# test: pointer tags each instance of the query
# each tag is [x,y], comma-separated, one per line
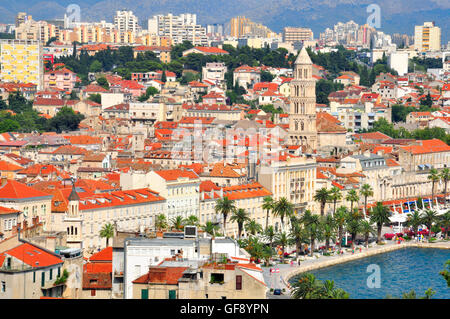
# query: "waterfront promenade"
[287,271]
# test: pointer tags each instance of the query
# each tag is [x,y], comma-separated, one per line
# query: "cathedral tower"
[302,114]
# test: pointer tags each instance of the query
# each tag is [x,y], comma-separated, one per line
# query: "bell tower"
[302,114]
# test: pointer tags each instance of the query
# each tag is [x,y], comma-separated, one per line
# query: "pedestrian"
[299,261]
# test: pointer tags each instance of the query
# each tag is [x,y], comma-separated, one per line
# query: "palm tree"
[225,206]
[268,206]
[445,223]
[313,226]
[445,176]
[161,222]
[331,292]
[322,196]
[282,239]
[353,225]
[380,216]
[297,235]
[177,223]
[352,197]
[367,229]
[210,228]
[414,220]
[429,217]
[339,218]
[335,195]
[307,287]
[434,177]
[283,208]
[253,227]
[240,216]
[191,220]
[366,191]
[269,234]
[328,228]
[107,232]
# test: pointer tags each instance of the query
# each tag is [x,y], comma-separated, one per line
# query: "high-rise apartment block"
[291,34]
[21,61]
[126,21]
[244,27]
[427,37]
[21,18]
[180,28]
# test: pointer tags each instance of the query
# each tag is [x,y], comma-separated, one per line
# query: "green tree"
[103,82]
[353,226]
[282,239]
[97,98]
[297,235]
[340,217]
[352,197]
[366,191]
[446,273]
[335,195]
[161,222]
[268,205]
[225,206]
[429,217]
[253,227]
[269,234]
[210,228]
[177,223]
[444,221]
[367,229]
[240,216]
[107,232]
[380,215]
[322,196]
[328,230]
[283,209]
[414,220]
[191,220]
[313,226]
[434,178]
[65,120]
[445,177]
[96,66]
[8,125]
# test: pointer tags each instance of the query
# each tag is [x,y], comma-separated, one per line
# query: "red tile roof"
[6,166]
[161,275]
[102,255]
[34,256]
[6,211]
[174,174]
[15,190]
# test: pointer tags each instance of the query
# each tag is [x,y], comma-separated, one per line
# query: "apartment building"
[63,79]
[21,61]
[179,28]
[427,37]
[291,34]
[126,21]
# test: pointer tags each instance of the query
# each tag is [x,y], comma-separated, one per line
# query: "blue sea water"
[400,271]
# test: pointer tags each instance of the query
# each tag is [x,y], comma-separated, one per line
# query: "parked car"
[277,291]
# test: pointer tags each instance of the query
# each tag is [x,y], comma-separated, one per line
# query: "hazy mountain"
[396,16]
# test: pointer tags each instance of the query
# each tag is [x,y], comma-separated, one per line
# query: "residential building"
[427,37]
[126,21]
[291,34]
[21,61]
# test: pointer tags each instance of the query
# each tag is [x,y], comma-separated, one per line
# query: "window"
[3,286]
[51,274]
[239,282]
[34,276]
[93,292]
[217,278]
[144,293]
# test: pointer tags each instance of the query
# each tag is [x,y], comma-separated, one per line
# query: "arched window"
[302,125]
[71,230]
[296,125]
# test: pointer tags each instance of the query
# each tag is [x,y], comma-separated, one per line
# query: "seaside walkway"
[287,271]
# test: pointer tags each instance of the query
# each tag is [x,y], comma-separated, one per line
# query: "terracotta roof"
[34,256]
[162,275]
[102,255]
[427,146]
[6,211]
[174,174]
[50,102]
[6,166]
[211,50]
[245,191]
[15,190]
